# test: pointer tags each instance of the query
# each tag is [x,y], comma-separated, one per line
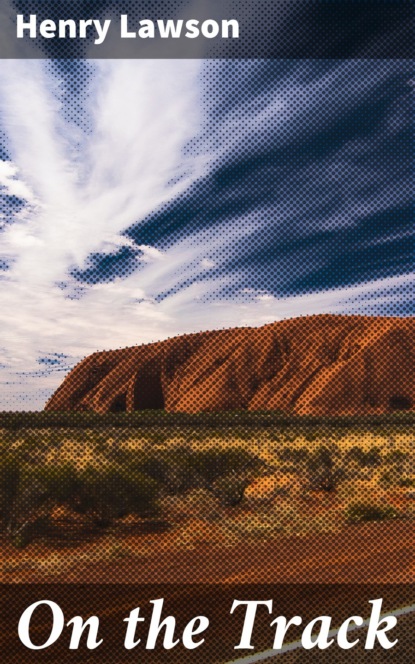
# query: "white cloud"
[150,253]
[207,264]
[130,163]
[12,185]
[141,115]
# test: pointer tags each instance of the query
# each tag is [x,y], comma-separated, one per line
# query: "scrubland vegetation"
[223,483]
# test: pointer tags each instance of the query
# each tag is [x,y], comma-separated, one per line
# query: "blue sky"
[142,199]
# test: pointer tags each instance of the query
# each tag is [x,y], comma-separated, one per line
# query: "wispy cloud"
[140,138]
[81,189]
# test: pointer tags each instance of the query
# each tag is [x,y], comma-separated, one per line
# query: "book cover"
[208,344]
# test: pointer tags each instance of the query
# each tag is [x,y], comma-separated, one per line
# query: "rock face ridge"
[314,365]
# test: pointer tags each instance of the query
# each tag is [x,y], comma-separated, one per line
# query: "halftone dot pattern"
[268,222]
[267,29]
[282,453]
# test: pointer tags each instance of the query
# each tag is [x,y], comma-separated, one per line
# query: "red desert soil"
[377,553]
[316,365]
[368,553]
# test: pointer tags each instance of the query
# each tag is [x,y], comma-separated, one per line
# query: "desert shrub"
[290,469]
[142,491]
[59,481]
[388,479]
[372,457]
[214,463]
[230,490]
[28,495]
[9,482]
[397,465]
[29,511]
[396,457]
[406,482]
[361,511]
[319,469]
[22,500]
[173,469]
[293,455]
[311,436]
[324,471]
[224,472]
[112,492]
[290,436]
[364,459]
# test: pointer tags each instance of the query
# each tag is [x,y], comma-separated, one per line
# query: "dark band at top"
[233,29]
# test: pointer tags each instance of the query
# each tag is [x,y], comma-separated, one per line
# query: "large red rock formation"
[318,365]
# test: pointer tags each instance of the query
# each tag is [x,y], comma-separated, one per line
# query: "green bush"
[182,469]
[60,481]
[361,511]
[142,492]
[31,502]
[37,490]
[171,468]
[113,492]
[212,464]
[123,482]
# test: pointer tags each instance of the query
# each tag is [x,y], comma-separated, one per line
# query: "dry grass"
[90,446]
[277,504]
